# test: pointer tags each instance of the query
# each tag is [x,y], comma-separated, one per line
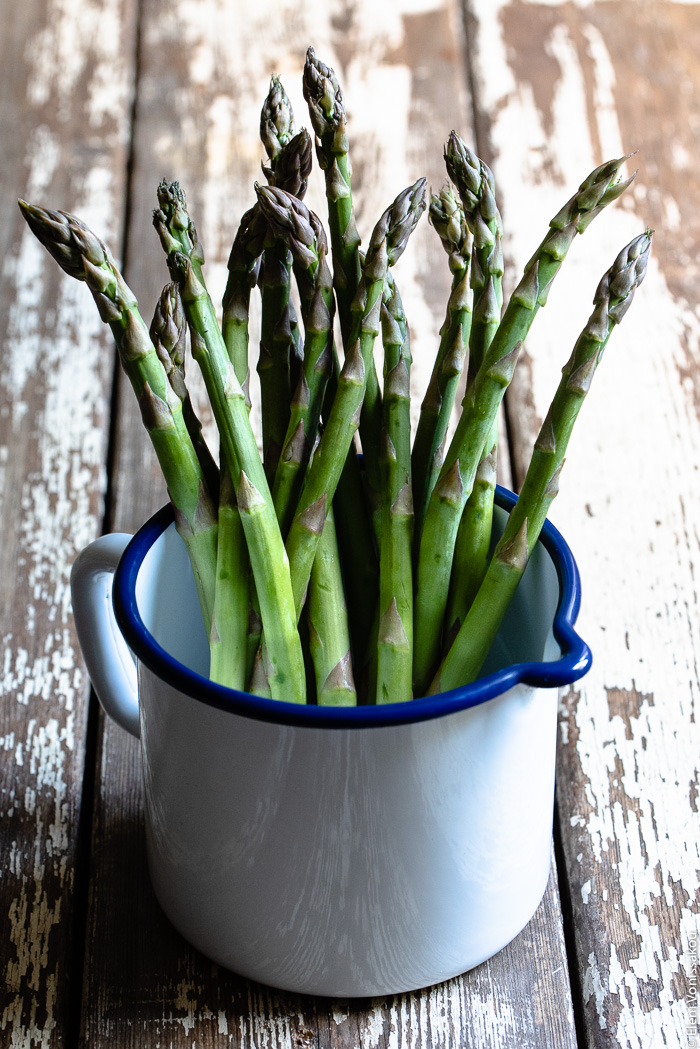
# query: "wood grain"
[201,85]
[65,79]
[563,87]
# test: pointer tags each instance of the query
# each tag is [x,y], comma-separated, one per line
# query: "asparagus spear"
[395,629]
[291,172]
[387,243]
[480,408]
[301,231]
[612,300]
[447,216]
[325,101]
[289,168]
[265,547]
[243,271]
[473,542]
[83,255]
[475,184]
[328,118]
[227,637]
[329,633]
[169,336]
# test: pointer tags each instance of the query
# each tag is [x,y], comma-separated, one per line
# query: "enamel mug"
[334,851]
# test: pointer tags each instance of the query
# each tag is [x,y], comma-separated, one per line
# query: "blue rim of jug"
[575,659]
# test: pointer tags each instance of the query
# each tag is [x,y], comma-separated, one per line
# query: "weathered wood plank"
[65,78]
[203,80]
[569,85]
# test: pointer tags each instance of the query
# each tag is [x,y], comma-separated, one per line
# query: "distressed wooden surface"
[204,132]
[567,85]
[556,88]
[63,127]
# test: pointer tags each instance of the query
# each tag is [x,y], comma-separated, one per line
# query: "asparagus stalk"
[300,230]
[83,255]
[480,408]
[232,583]
[473,542]
[475,184]
[395,630]
[329,633]
[291,171]
[447,216]
[227,636]
[265,547]
[243,271]
[612,300]
[328,118]
[169,336]
[388,241]
[327,112]
[289,168]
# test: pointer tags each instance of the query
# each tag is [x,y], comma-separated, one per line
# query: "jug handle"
[110,664]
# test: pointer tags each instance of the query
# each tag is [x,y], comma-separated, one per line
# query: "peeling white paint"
[52,448]
[593,988]
[635,546]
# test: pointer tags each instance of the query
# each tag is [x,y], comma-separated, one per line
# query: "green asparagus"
[387,243]
[265,547]
[447,216]
[479,411]
[83,255]
[300,230]
[612,300]
[395,627]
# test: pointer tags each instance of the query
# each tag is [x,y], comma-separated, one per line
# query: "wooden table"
[98,100]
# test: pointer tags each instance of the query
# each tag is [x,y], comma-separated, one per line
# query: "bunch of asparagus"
[322,577]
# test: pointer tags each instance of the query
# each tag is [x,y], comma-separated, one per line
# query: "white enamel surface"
[349,862]
[109,663]
[344,862]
